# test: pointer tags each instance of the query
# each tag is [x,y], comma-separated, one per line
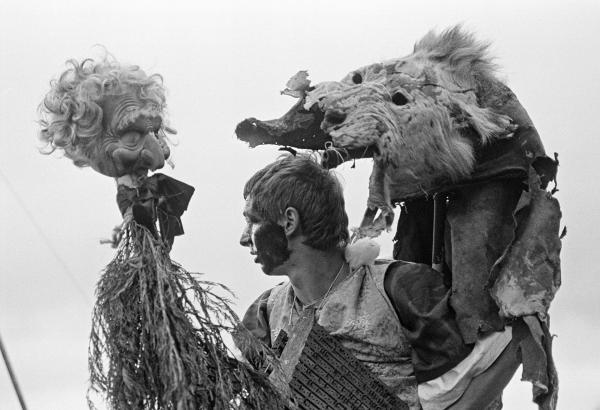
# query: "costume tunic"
[392,316]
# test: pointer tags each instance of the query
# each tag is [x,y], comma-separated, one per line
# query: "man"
[393,316]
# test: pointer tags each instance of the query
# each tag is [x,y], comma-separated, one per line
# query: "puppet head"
[108,116]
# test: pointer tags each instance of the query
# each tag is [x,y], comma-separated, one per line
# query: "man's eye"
[131,138]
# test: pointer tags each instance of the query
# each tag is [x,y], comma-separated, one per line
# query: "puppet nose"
[153,155]
[164,146]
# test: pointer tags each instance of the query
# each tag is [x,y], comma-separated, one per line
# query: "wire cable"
[45,239]
[12,376]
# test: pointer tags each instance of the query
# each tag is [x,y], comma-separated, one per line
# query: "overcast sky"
[226,62]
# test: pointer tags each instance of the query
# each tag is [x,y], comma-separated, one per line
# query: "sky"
[223,62]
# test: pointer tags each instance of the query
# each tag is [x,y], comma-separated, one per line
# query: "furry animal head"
[433,120]
[420,113]
[108,116]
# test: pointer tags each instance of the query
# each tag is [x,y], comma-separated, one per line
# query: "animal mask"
[430,120]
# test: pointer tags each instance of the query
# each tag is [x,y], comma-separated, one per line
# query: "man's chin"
[259,261]
[268,268]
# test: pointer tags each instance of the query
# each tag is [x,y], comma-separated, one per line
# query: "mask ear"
[485,121]
[291,222]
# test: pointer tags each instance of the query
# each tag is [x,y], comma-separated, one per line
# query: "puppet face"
[133,141]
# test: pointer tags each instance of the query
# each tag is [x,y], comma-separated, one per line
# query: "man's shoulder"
[412,278]
[396,267]
[256,318]
[420,299]
[264,297]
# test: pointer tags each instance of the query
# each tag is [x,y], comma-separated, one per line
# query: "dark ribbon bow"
[159,198]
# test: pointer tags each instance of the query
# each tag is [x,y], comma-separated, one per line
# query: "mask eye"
[399,99]
[357,78]
[131,138]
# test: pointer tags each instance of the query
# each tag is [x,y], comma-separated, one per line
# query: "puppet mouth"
[298,128]
[302,129]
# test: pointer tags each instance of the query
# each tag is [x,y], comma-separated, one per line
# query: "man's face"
[266,240]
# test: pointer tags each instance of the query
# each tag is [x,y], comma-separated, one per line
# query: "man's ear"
[291,222]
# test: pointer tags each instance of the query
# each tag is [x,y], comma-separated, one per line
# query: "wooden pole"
[439,222]
[12,376]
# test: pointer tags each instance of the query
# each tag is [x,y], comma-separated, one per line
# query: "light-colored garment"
[358,312]
[441,392]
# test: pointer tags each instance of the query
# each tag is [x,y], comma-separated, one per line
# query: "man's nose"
[246,239]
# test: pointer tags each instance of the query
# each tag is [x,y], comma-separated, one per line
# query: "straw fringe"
[156,337]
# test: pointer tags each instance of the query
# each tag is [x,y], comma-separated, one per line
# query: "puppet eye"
[399,99]
[357,78]
[131,138]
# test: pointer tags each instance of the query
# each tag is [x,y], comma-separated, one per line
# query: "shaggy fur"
[420,111]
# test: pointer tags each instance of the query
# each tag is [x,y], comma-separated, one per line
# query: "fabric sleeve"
[256,319]
[420,299]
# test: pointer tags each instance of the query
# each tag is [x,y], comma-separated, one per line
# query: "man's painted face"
[266,240]
[133,140]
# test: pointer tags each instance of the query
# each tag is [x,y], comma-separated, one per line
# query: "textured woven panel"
[325,375]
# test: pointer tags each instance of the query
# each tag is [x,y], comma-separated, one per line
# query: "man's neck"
[312,272]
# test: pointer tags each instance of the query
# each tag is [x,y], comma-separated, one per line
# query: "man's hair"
[315,192]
